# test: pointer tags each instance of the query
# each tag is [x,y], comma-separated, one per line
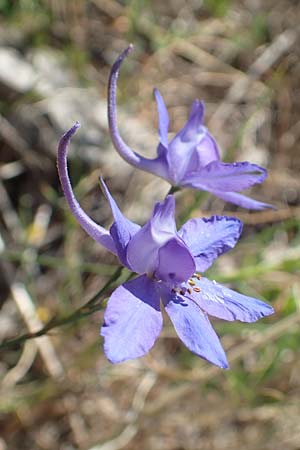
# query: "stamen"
[181,292]
[189,290]
[197,275]
[191,282]
[196,289]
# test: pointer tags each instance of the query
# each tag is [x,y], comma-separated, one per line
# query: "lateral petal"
[194,329]
[224,303]
[132,320]
[208,238]
[226,176]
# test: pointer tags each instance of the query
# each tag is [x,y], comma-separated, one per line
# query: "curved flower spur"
[192,157]
[167,262]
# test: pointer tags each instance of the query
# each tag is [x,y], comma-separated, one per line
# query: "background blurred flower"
[192,157]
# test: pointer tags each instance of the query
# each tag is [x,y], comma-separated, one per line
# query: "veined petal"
[132,320]
[122,229]
[142,250]
[208,238]
[224,303]
[175,263]
[97,232]
[205,152]
[157,166]
[163,118]
[241,200]
[194,329]
[183,145]
[227,177]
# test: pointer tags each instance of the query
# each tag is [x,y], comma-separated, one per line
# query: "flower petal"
[157,166]
[132,320]
[142,251]
[226,177]
[208,238]
[175,263]
[241,200]
[122,229]
[191,146]
[163,118]
[97,232]
[194,329]
[205,152]
[221,302]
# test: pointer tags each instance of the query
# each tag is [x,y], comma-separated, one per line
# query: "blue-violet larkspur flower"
[192,157]
[167,262]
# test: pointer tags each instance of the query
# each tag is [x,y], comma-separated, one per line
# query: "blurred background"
[241,57]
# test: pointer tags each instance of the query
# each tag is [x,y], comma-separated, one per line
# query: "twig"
[87,309]
[44,344]
[14,375]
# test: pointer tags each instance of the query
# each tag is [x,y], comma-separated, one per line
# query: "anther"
[189,290]
[191,283]
[196,289]
[197,275]
[181,292]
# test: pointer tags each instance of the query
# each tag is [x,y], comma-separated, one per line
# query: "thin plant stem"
[94,304]
[173,189]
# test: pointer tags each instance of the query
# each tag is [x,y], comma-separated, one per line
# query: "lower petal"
[194,329]
[132,320]
[221,302]
[241,200]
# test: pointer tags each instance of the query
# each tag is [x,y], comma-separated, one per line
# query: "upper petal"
[224,303]
[183,147]
[175,263]
[208,238]
[204,153]
[132,320]
[122,229]
[97,232]
[194,328]
[226,177]
[163,118]
[142,251]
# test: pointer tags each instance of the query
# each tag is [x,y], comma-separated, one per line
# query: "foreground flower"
[168,262]
[192,157]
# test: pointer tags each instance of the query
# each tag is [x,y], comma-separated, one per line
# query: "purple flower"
[167,262]
[192,157]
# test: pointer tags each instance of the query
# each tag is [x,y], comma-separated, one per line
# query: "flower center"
[191,286]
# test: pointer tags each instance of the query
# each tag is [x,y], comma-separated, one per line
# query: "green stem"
[173,189]
[88,308]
